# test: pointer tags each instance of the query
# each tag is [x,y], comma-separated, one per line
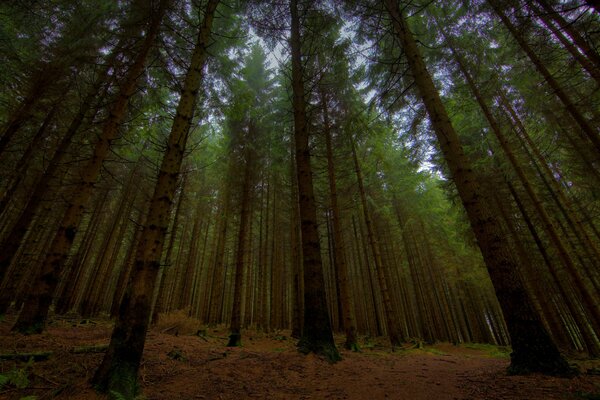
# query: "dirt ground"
[269,367]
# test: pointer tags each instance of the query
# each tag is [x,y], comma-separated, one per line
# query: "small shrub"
[176,354]
[16,377]
[178,323]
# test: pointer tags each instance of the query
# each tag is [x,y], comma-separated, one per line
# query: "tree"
[533,349]
[119,368]
[316,335]
[35,311]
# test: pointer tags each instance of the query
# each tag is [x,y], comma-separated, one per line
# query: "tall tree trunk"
[25,161]
[119,368]
[160,305]
[341,266]
[235,327]
[383,276]
[590,131]
[316,336]
[39,87]
[572,270]
[33,316]
[10,245]
[590,53]
[586,63]
[533,349]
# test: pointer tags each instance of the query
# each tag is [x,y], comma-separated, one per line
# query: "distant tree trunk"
[235,327]
[338,240]
[125,272]
[119,368]
[166,267]
[33,316]
[533,349]
[296,249]
[316,336]
[215,300]
[381,271]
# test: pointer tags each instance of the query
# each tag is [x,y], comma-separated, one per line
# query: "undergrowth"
[490,349]
[178,323]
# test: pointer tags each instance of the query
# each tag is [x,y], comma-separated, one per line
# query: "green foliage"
[16,377]
[176,354]
[490,349]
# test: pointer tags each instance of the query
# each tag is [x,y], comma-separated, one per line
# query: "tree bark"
[119,368]
[533,349]
[340,264]
[235,327]
[590,131]
[316,336]
[33,316]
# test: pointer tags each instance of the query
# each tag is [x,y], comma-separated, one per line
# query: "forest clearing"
[335,198]
[180,364]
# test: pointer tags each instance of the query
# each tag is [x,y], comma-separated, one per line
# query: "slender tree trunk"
[33,316]
[296,250]
[533,349]
[25,161]
[119,368]
[316,336]
[38,89]
[13,240]
[380,269]
[235,336]
[586,63]
[583,285]
[570,29]
[341,266]
[590,131]
[160,305]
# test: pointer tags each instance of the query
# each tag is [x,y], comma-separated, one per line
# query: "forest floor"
[180,365]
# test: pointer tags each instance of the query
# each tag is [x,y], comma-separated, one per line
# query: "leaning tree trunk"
[590,131]
[533,349]
[563,275]
[316,336]
[25,161]
[35,312]
[119,368]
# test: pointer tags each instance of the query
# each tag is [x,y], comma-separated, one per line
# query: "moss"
[123,384]
[490,349]
[352,346]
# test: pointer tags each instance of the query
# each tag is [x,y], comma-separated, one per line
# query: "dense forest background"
[357,167]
